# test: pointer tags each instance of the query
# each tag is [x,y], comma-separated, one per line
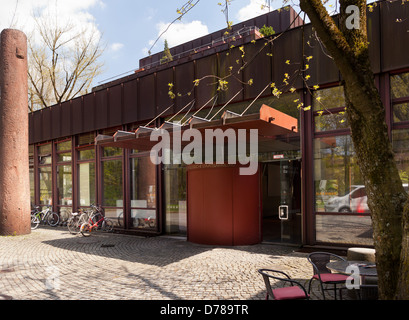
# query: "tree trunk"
[366,116]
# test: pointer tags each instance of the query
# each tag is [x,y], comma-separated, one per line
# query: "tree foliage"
[63,62]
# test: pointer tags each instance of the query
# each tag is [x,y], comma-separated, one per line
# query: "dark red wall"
[223,206]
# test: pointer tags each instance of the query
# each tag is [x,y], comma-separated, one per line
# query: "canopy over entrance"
[270,123]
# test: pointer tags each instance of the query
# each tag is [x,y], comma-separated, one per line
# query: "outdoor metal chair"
[295,291]
[322,274]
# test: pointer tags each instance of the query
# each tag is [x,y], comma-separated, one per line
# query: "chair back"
[280,276]
[319,261]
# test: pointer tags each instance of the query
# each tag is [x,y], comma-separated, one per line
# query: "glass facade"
[143,193]
[340,206]
[138,195]
[175,199]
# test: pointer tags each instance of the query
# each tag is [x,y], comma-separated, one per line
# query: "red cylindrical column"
[14,166]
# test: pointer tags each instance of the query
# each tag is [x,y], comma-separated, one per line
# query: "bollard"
[14,166]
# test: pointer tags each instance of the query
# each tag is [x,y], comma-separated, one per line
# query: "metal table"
[360,271]
[366,268]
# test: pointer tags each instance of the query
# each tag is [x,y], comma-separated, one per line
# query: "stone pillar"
[14,167]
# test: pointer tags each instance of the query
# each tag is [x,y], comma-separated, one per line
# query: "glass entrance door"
[281,192]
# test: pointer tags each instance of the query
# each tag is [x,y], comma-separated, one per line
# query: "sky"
[128,28]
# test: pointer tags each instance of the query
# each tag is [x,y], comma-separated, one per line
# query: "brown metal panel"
[146,105]
[322,68]
[206,39]
[56,119]
[258,68]
[31,128]
[115,106]
[374,32]
[131,101]
[260,21]
[101,109]
[163,78]
[273,20]
[287,47]
[77,115]
[184,77]
[395,35]
[206,67]
[230,62]
[66,119]
[46,127]
[88,118]
[37,125]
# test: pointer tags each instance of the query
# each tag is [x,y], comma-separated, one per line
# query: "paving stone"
[51,264]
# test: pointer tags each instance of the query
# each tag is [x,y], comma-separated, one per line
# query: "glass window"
[112,152]
[44,149]
[337,176]
[86,154]
[400,85]
[86,139]
[175,197]
[401,112]
[86,184]
[44,154]
[400,142]
[353,229]
[143,192]
[64,146]
[64,185]
[332,121]
[112,183]
[32,196]
[45,185]
[328,98]
[64,157]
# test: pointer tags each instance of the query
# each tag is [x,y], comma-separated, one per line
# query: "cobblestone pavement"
[52,264]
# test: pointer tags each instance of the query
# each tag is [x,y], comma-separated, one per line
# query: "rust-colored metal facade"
[138,98]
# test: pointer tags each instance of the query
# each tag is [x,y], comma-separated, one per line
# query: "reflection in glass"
[86,184]
[143,192]
[143,218]
[329,98]
[64,146]
[400,85]
[64,157]
[45,185]
[401,112]
[115,215]
[32,197]
[44,149]
[112,183]
[338,182]
[334,121]
[64,185]
[353,229]
[112,151]
[86,154]
[175,199]
[400,142]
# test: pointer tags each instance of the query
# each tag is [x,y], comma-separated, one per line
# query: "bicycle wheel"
[35,222]
[107,225]
[85,229]
[73,225]
[53,219]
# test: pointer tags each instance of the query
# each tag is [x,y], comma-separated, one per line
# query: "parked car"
[354,201]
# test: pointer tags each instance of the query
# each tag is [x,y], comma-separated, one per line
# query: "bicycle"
[77,219]
[46,216]
[96,222]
